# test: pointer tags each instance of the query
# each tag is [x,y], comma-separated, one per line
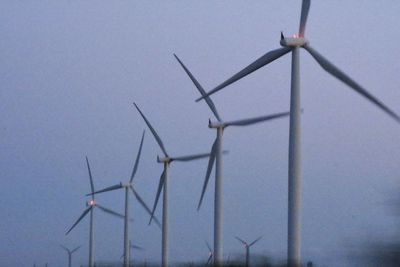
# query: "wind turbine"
[132,246]
[210,254]
[91,205]
[163,185]
[128,186]
[70,252]
[216,155]
[247,247]
[293,44]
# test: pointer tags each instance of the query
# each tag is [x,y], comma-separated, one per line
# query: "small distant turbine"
[247,247]
[92,204]
[216,155]
[163,185]
[210,254]
[132,246]
[293,44]
[128,186]
[70,252]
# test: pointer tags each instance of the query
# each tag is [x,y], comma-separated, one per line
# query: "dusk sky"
[70,71]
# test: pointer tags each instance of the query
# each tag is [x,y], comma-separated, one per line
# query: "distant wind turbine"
[128,186]
[91,205]
[132,246]
[210,254]
[163,185]
[293,44]
[216,155]
[70,252]
[247,247]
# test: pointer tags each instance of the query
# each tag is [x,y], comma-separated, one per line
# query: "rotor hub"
[91,203]
[163,159]
[294,41]
[216,124]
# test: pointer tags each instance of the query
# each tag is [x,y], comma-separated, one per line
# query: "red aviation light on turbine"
[91,202]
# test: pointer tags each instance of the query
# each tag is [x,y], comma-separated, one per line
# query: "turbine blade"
[65,248]
[333,70]
[144,205]
[109,211]
[262,61]
[246,122]
[75,249]
[160,186]
[255,241]
[111,188]
[158,139]
[208,100]
[209,168]
[208,246]
[240,240]
[136,247]
[79,219]
[90,176]
[209,259]
[191,157]
[137,159]
[305,7]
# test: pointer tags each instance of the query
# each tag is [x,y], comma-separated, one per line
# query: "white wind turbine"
[91,205]
[128,186]
[163,185]
[247,247]
[70,252]
[216,155]
[293,44]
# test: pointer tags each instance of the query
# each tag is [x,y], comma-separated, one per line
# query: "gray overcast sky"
[70,71]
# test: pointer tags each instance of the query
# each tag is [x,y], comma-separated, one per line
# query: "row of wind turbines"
[289,44]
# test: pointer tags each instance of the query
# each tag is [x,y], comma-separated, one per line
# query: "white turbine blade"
[262,61]
[246,122]
[255,241]
[111,188]
[241,240]
[332,69]
[209,168]
[158,139]
[90,176]
[75,249]
[305,7]
[191,157]
[109,211]
[144,205]
[160,186]
[208,100]
[79,219]
[137,159]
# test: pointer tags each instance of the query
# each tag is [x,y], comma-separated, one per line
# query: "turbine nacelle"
[91,203]
[294,41]
[216,124]
[127,185]
[163,159]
